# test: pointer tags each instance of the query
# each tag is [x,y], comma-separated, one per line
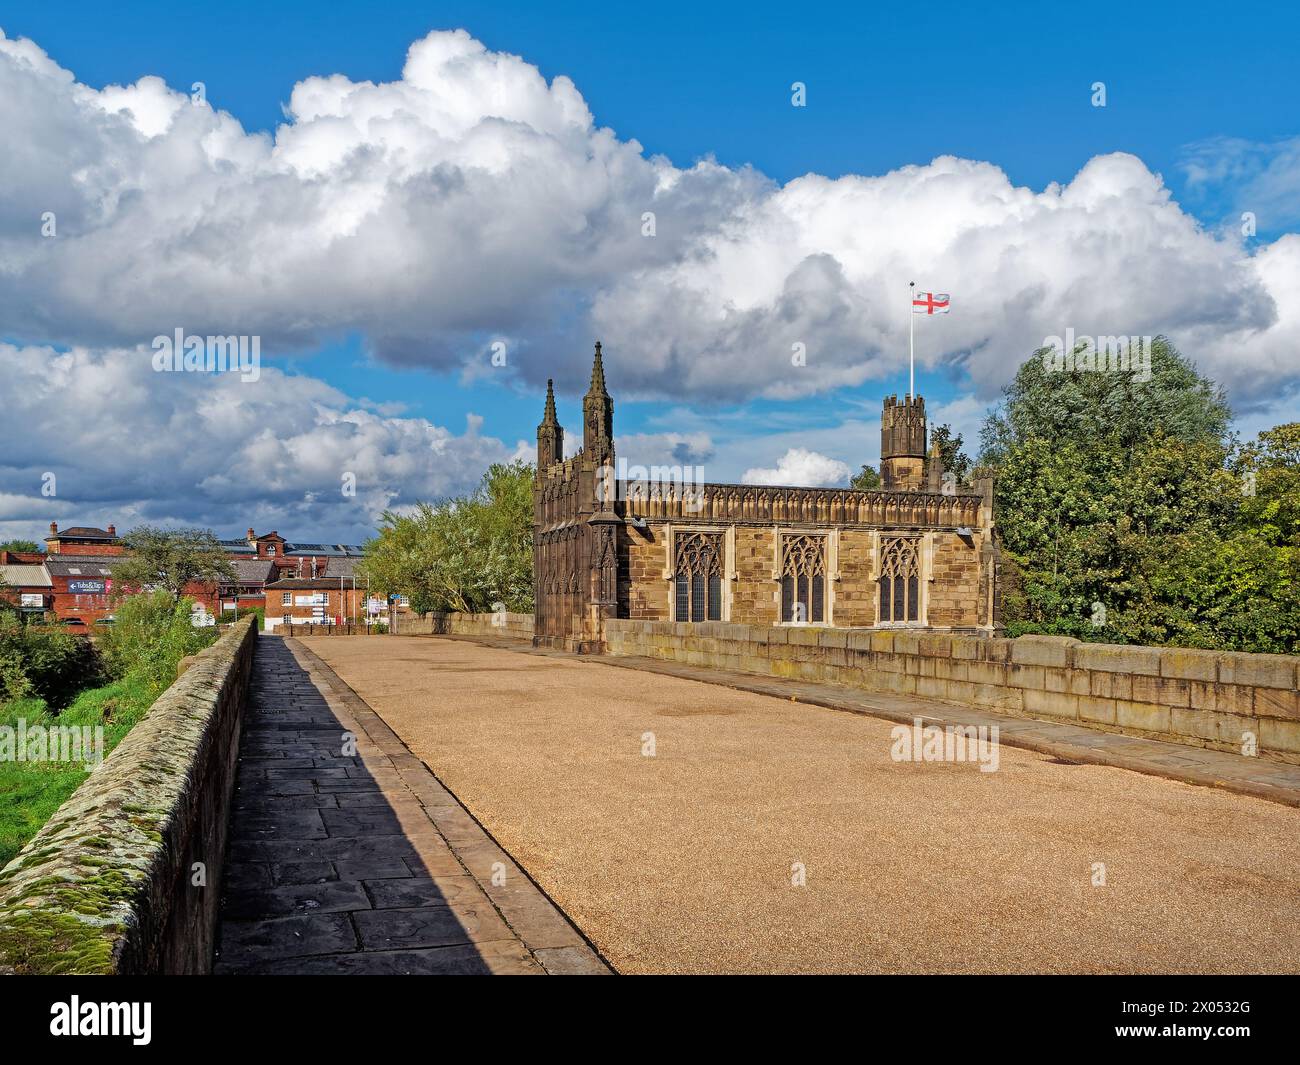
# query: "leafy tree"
[466,553]
[1128,515]
[865,481]
[955,460]
[19,545]
[1088,407]
[43,661]
[1268,470]
[172,560]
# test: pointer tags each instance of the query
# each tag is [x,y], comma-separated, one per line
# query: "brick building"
[25,584]
[83,541]
[75,580]
[315,601]
[919,552]
[82,587]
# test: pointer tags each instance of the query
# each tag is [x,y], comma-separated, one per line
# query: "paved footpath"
[348,855]
[694,827]
[1262,778]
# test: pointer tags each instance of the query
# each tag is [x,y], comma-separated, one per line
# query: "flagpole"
[911,339]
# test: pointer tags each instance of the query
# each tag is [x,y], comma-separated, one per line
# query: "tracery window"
[697,580]
[900,579]
[803,579]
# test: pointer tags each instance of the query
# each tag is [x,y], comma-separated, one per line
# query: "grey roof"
[25,576]
[341,567]
[237,547]
[90,566]
[252,570]
[329,566]
[318,583]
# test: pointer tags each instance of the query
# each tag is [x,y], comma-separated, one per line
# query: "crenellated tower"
[902,444]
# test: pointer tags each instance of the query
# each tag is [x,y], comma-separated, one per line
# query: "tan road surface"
[682,862]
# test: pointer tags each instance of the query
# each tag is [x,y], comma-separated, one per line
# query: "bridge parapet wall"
[1218,700]
[125,878]
[507,625]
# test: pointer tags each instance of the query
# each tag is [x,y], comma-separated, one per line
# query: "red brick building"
[74,577]
[83,540]
[82,588]
[315,601]
[24,583]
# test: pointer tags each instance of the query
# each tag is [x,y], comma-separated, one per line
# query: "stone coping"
[1221,700]
[508,625]
[125,877]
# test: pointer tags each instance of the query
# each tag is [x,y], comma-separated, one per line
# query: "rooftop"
[25,576]
[82,532]
[325,550]
[320,583]
[90,566]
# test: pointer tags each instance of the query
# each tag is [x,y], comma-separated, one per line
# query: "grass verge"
[30,792]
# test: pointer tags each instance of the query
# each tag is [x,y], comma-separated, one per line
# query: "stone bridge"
[457,801]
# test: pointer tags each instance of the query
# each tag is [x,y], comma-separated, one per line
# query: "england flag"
[930,303]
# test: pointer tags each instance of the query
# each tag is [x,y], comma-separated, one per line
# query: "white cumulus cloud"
[128,445]
[800,467]
[471,199]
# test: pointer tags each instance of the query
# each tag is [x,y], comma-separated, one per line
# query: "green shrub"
[151,635]
[44,661]
[243,612]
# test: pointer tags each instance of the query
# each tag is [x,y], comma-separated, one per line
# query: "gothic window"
[803,579]
[697,583]
[900,579]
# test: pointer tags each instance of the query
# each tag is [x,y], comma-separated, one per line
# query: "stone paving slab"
[1259,777]
[348,856]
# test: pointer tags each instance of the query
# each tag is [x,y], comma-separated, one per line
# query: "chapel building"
[920,552]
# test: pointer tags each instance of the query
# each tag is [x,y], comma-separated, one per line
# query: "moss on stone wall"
[78,897]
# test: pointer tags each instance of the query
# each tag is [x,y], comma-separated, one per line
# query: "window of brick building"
[900,579]
[697,583]
[803,579]
[286,599]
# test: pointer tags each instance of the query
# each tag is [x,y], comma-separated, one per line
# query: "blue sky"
[886,89]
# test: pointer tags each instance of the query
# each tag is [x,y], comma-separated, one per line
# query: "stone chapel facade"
[916,553]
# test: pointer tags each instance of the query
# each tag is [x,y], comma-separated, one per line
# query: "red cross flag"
[930,303]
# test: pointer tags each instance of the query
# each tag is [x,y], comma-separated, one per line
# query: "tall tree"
[467,553]
[1122,408]
[1108,486]
[955,460]
[865,481]
[171,559]
[19,545]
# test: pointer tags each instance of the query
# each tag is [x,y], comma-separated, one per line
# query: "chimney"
[54,528]
[250,535]
[112,530]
